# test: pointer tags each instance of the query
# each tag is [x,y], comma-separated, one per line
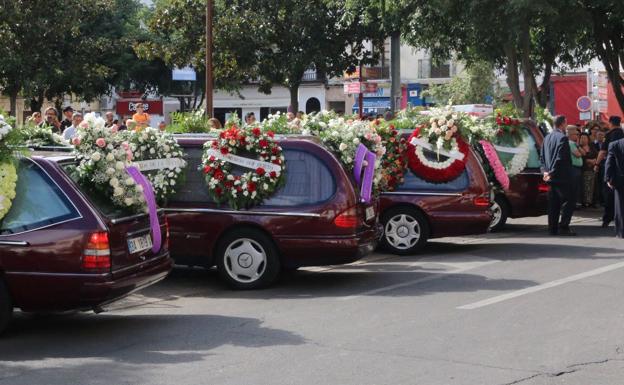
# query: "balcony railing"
[313,76]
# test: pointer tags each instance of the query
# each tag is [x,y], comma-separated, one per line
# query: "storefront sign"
[128,107]
[359,87]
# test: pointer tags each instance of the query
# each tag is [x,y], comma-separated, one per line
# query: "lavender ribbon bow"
[148,193]
[366,185]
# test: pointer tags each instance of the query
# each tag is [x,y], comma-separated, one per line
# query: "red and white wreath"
[440,170]
[250,188]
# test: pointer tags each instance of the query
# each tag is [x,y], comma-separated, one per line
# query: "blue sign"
[184,74]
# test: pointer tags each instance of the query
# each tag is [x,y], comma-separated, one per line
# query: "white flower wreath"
[519,161]
[420,153]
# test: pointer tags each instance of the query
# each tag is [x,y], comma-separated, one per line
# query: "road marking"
[431,277]
[543,286]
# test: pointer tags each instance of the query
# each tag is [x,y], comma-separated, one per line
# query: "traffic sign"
[584,104]
[585,116]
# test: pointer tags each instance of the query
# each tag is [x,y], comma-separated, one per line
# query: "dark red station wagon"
[60,250]
[418,210]
[317,218]
[528,194]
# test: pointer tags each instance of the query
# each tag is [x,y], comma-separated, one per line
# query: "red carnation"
[273,174]
[211,158]
[263,143]
[277,161]
[260,171]
[499,121]
[218,191]
[271,134]
[224,150]
[506,120]
[214,144]
[394,132]
[500,132]
[239,188]
[256,131]
[222,135]
[275,150]
[229,184]
[207,169]
[392,127]
[218,175]
[251,186]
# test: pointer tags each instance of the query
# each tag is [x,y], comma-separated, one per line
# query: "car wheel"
[406,230]
[247,259]
[500,213]
[6,306]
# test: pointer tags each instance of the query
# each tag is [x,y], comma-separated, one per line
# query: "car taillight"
[482,201]
[543,187]
[97,252]
[347,219]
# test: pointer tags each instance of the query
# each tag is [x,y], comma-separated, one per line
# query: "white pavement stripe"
[432,277]
[543,286]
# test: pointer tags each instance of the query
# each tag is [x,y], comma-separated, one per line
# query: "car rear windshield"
[534,159]
[308,180]
[414,182]
[39,202]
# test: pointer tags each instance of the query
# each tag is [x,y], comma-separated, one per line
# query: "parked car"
[528,193]
[316,218]
[61,249]
[419,210]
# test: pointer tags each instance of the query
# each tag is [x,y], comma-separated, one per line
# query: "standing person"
[576,154]
[109,119]
[36,119]
[615,133]
[52,120]
[589,176]
[556,166]
[68,113]
[141,117]
[162,126]
[614,177]
[70,131]
[250,118]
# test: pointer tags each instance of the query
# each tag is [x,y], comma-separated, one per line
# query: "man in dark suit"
[614,177]
[615,133]
[556,164]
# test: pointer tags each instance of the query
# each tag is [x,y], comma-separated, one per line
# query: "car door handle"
[14,243]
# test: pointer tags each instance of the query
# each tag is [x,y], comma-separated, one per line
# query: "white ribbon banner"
[159,164]
[450,154]
[510,150]
[245,162]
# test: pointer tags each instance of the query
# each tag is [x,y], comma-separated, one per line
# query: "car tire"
[406,230]
[6,306]
[247,259]
[500,213]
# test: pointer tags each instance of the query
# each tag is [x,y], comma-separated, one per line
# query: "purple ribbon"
[148,193]
[366,186]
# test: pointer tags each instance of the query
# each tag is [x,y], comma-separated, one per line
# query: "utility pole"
[209,79]
[395,71]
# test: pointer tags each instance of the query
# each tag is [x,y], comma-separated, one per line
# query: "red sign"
[360,87]
[128,107]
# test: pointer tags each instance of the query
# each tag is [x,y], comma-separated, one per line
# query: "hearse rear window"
[533,161]
[38,202]
[414,182]
[308,181]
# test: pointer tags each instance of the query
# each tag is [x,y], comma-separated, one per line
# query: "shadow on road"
[151,339]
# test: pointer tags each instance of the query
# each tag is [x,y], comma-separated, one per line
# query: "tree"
[472,87]
[264,41]
[524,38]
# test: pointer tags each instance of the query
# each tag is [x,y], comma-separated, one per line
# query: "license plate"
[139,244]
[370,213]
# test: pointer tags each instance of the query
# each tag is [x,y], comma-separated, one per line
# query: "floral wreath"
[494,164]
[103,156]
[393,161]
[159,157]
[436,171]
[8,172]
[520,159]
[39,136]
[251,187]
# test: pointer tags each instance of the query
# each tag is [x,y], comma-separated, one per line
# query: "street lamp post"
[209,79]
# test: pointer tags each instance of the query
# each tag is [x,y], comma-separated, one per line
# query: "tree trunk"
[527,72]
[294,97]
[13,105]
[513,78]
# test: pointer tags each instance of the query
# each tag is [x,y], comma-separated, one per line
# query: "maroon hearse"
[418,210]
[61,250]
[528,194]
[315,219]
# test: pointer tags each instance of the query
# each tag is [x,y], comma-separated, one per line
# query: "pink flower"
[83,124]
[128,155]
[101,143]
[76,141]
[368,136]
[114,128]
[125,145]
[495,163]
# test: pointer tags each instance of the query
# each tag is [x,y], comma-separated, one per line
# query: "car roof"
[199,139]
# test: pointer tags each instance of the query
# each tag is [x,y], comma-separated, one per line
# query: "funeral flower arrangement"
[393,162]
[159,157]
[40,136]
[278,124]
[103,157]
[510,137]
[8,171]
[254,150]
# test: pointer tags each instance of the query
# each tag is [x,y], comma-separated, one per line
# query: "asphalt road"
[506,308]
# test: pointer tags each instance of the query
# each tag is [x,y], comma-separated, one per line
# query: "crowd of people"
[67,127]
[583,168]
